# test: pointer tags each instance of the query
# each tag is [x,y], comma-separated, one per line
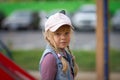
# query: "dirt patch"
[82,75]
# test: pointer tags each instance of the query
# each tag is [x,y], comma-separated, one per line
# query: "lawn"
[86,60]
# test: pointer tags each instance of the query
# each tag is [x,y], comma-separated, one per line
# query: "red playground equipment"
[11,71]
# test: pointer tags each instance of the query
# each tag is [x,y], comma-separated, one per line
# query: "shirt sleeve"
[48,67]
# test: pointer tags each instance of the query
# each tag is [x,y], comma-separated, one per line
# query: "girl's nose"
[63,36]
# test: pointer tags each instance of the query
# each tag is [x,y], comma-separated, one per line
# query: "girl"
[57,62]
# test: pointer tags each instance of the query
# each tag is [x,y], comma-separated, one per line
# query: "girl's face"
[62,36]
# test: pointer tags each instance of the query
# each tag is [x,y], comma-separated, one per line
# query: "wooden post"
[102,35]
[100,41]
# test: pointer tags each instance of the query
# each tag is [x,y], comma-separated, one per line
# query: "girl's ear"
[48,38]
[46,35]
[63,12]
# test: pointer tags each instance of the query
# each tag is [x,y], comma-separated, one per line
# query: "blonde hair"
[48,35]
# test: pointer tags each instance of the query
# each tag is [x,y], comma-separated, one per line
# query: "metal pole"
[106,41]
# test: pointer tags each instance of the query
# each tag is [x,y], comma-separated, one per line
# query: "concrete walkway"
[82,75]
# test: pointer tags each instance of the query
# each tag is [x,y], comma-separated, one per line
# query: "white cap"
[57,20]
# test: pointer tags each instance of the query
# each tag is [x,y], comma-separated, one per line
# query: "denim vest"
[60,74]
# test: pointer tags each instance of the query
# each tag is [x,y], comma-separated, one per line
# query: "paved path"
[35,39]
[82,75]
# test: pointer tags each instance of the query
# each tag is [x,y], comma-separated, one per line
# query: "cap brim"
[53,29]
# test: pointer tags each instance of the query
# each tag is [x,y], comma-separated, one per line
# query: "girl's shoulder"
[49,57]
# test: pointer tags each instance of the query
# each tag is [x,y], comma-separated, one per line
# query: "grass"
[114,60]
[85,60]
[29,59]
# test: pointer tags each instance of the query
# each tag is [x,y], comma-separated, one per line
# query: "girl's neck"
[62,50]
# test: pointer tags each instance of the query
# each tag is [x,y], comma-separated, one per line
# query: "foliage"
[70,6]
[39,6]
[40,0]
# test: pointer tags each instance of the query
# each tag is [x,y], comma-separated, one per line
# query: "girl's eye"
[57,34]
[67,33]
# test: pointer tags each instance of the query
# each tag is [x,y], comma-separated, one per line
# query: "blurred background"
[22,27]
